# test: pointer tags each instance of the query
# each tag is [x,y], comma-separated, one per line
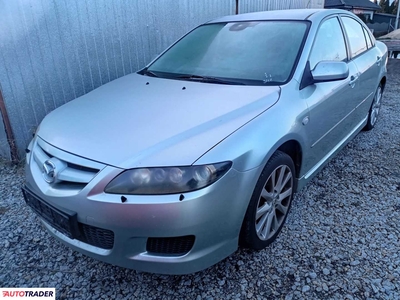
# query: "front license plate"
[65,222]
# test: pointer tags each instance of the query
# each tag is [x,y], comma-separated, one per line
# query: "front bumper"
[212,215]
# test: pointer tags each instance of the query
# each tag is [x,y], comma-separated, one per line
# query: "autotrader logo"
[27,293]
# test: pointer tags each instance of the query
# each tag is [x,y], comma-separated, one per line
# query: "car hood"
[144,121]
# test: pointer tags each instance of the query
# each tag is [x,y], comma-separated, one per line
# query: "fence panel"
[54,51]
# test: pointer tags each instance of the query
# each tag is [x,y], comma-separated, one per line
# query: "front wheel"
[270,203]
[375,108]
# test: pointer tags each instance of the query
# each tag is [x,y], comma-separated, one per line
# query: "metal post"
[237,7]
[397,16]
[9,133]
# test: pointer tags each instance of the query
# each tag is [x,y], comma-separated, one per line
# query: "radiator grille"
[73,172]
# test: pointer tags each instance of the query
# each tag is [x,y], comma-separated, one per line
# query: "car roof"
[288,14]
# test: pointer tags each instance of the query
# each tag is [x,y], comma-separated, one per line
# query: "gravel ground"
[340,241]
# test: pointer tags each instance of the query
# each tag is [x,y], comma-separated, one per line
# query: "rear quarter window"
[368,38]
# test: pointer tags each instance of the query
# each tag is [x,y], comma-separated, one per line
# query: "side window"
[356,36]
[368,38]
[329,43]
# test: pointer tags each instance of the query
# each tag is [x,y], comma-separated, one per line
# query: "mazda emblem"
[49,171]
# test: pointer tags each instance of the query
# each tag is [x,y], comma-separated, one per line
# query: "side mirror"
[326,71]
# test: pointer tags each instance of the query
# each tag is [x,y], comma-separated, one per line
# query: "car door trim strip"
[330,153]
[337,124]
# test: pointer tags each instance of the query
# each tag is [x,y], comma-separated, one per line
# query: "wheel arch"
[292,146]
[383,82]
[294,150]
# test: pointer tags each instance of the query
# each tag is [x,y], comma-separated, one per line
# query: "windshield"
[260,53]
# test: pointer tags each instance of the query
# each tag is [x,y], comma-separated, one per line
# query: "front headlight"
[166,180]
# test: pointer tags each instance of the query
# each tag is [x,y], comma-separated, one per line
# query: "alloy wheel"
[274,202]
[376,106]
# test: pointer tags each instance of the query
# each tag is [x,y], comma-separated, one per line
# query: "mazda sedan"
[170,169]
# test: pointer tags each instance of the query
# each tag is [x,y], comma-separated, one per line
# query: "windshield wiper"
[191,77]
[208,79]
[148,73]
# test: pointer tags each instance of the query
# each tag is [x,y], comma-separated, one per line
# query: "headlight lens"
[169,180]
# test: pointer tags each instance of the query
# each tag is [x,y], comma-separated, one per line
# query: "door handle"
[378,60]
[353,80]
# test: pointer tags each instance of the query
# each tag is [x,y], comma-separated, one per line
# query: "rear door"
[368,59]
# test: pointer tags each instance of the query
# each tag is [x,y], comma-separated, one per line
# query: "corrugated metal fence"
[54,51]
[260,5]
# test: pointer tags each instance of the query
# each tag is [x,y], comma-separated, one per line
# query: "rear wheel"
[375,108]
[270,203]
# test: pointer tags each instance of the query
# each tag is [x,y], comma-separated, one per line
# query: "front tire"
[375,108]
[270,203]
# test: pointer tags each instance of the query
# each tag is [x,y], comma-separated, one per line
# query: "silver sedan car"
[170,169]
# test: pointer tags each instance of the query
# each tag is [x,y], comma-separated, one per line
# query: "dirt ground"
[393,67]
